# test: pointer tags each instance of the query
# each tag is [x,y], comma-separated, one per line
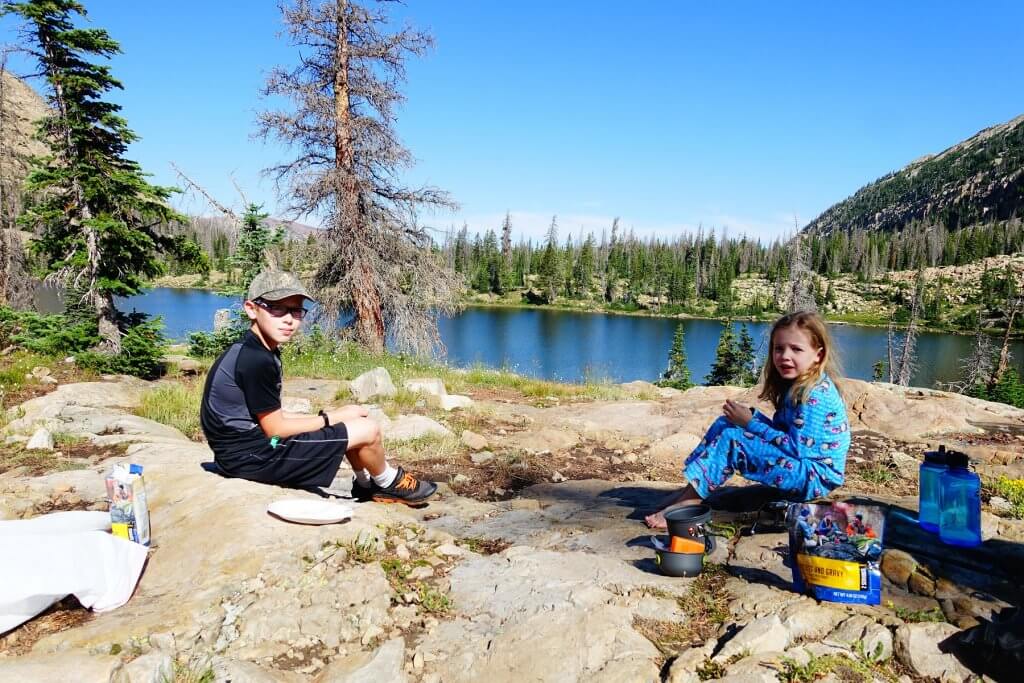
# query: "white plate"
[309,511]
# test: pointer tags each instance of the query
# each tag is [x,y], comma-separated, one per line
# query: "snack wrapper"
[129,513]
[834,551]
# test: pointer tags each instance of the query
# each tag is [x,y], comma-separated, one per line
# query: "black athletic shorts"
[302,461]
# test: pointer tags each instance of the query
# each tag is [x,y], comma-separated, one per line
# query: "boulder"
[373,384]
[758,637]
[406,427]
[473,440]
[919,647]
[675,448]
[482,458]
[41,440]
[429,386]
[189,366]
[898,565]
[450,402]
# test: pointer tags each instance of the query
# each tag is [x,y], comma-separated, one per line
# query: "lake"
[566,346]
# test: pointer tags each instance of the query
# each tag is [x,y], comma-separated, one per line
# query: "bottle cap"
[957,459]
[939,457]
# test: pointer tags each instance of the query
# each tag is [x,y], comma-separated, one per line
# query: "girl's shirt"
[816,431]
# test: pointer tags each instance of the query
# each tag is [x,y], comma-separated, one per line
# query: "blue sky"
[668,114]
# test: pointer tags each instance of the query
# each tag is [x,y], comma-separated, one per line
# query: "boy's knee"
[362,431]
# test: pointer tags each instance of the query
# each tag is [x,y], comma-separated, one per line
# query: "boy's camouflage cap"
[274,285]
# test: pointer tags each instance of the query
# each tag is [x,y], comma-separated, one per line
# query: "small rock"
[557,477]
[1000,506]
[370,634]
[402,551]
[454,401]
[372,384]
[761,635]
[460,479]
[898,565]
[449,550]
[421,573]
[40,371]
[482,458]
[42,440]
[70,360]
[498,491]
[921,584]
[630,457]
[189,366]
[615,460]
[49,380]
[417,661]
[473,440]
[918,648]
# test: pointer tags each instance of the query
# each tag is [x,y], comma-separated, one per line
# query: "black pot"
[688,522]
[679,564]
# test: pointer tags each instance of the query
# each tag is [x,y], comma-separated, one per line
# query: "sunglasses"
[279,311]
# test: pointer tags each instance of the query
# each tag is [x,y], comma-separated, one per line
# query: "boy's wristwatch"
[327,420]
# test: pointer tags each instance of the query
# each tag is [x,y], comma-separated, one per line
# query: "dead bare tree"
[907,363]
[800,297]
[977,368]
[1014,304]
[381,263]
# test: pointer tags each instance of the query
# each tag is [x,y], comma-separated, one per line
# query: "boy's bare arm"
[285,424]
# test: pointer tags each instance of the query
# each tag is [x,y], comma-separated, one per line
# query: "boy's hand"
[337,415]
[737,413]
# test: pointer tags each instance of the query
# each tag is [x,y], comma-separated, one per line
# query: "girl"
[802,450]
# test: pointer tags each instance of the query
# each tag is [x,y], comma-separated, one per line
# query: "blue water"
[568,346]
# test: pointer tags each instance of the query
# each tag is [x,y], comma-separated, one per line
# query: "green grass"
[1013,491]
[917,616]
[175,404]
[15,367]
[190,672]
[878,474]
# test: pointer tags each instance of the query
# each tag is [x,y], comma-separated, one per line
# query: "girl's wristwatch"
[327,420]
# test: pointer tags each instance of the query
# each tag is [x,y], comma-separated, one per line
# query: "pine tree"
[550,269]
[255,238]
[723,371]
[677,376]
[745,359]
[95,208]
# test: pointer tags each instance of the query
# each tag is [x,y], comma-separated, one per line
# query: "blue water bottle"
[928,489]
[959,503]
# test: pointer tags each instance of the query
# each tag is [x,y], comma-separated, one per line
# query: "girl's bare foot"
[656,520]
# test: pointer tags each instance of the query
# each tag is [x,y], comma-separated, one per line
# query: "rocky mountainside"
[20,108]
[978,180]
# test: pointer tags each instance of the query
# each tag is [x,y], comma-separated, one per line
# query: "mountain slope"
[978,180]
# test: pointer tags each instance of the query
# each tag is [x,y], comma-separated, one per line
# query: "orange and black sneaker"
[405,489]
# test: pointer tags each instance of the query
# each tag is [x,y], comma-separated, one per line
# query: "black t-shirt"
[244,382]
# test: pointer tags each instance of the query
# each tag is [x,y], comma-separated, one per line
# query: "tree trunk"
[1004,352]
[369,322]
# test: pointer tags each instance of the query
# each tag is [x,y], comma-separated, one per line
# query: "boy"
[252,438]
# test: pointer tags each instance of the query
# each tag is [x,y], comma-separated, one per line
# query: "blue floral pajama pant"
[727,449]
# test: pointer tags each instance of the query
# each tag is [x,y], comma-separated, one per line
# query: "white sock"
[362,478]
[387,477]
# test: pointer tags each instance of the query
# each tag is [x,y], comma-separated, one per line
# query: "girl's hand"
[737,413]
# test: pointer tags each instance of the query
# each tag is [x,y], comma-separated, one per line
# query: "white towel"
[46,560]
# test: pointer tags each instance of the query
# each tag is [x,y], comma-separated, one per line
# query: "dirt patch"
[69,455]
[511,471]
[64,373]
[66,614]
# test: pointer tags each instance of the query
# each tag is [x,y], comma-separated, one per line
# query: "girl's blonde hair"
[774,386]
